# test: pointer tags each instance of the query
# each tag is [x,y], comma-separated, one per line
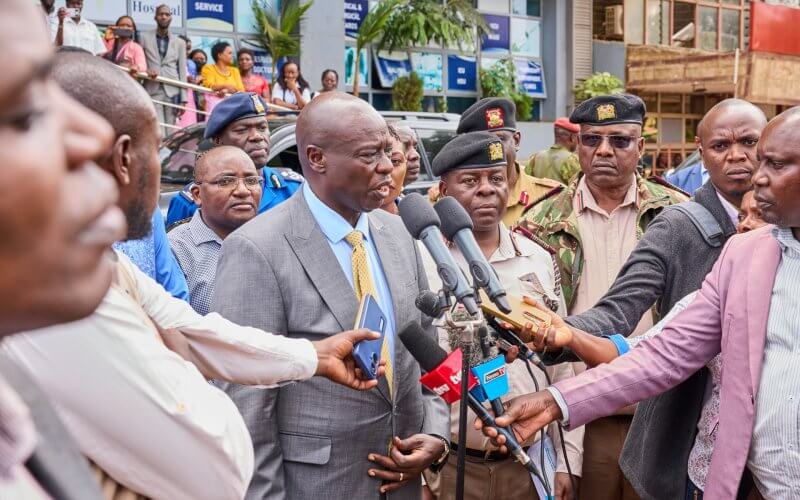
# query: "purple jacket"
[729,315]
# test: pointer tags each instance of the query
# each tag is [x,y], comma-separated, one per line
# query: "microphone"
[513,340]
[457,227]
[422,222]
[434,360]
[428,303]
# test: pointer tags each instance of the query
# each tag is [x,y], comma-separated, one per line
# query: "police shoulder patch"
[290,175]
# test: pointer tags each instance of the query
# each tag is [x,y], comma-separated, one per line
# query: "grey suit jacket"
[172,66]
[56,463]
[312,438]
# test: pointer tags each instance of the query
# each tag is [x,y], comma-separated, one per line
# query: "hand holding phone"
[367,353]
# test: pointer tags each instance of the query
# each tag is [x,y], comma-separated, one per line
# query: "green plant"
[407,93]
[419,22]
[277,32]
[500,81]
[370,30]
[598,84]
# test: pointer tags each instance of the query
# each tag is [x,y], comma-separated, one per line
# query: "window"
[729,40]
[683,28]
[714,25]
[432,142]
[657,22]
[708,28]
[526,8]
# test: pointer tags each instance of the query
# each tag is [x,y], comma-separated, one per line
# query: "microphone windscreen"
[417,214]
[421,346]
[452,216]
[428,303]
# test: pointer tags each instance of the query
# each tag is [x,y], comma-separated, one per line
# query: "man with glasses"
[594,224]
[227,190]
[241,120]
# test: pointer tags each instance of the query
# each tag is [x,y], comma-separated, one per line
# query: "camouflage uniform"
[556,163]
[524,192]
[552,219]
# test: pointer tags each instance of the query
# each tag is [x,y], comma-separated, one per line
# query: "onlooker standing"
[410,141]
[398,174]
[74,31]
[330,80]
[50,15]
[253,82]
[559,161]
[222,76]
[166,56]
[199,58]
[227,190]
[291,89]
[122,48]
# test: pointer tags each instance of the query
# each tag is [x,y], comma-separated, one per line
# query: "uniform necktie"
[362,283]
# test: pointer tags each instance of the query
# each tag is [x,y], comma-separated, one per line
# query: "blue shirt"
[153,256]
[279,186]
[335,229]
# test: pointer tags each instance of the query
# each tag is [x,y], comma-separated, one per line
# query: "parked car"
[179,151]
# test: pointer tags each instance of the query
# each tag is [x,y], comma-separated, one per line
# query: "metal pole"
[461,458]
[736,73]
[177,106]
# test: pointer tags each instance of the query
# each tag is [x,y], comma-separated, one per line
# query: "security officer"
[472,169]
[241,120]
[558,162]
[498,115]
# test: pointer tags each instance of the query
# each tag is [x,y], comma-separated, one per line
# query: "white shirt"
[287,95]
[83,34]
[142,413]
[730,209]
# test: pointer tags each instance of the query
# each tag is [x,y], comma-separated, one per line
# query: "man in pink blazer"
[748,309]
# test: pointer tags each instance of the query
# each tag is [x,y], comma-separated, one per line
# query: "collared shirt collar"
[333,225]
[79,23]
[508,248]
[786,240]
[729,207]
[201,233]
[585,198]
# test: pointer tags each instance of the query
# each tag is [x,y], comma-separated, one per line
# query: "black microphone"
[513,340]
[457,226]
[422,222]
[429,304]
[430,357]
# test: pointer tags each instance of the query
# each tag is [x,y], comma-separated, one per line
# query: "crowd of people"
[215,361]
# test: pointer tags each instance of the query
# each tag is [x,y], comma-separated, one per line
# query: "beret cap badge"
[495,118]
[605,112]
[495,151]
[257,104]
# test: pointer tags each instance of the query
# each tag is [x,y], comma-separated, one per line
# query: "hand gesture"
[563,486]
[152,73]
[556,336]
[406,461]
[291,85]
[529,413]
[336,361]
[62,14]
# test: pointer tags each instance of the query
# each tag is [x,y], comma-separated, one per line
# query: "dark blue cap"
[232,108]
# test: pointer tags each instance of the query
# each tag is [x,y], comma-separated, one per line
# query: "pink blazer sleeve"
[139,61]
[657,364]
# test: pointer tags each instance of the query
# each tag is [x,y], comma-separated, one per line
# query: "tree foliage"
[601,83]
[500,81]
[276,30]
[407,93]
[371,30]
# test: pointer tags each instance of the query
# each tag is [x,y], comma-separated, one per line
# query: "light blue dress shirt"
[335,229]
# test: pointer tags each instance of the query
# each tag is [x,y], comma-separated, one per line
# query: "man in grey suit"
[166,56]
[290,271]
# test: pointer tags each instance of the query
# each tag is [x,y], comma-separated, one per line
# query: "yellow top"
[212,76]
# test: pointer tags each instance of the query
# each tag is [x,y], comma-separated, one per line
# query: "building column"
[556,58]
[322,41]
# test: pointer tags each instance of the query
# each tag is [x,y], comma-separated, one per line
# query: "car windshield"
[432,142]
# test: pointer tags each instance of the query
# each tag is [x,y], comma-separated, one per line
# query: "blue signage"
[530,77]
[497,41]
[461,73]
[392,65]
[214,15]
[354,13]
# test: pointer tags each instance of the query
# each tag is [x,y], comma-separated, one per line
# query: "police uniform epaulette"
[178,223]
[289,174]
[524,232]
[186,192]
[556,190]
[662,181]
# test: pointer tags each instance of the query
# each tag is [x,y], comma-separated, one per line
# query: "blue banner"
[530,77]
[392,65]
[354,13]
[214,15]
[497,41]
[461,73]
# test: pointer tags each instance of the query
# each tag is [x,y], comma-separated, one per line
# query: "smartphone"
[122,32]
[367,353]
[521,313]
[73,12]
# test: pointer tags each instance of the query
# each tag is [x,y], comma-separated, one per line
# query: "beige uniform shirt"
[524,268]
[526,191]
[607,241]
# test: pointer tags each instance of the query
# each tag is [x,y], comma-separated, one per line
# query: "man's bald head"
[213,161]
[726,110]
[102,87]
[344,147]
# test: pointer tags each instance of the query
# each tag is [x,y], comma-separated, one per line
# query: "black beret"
[471,150]
[609,109]
[234,107]
[489,114]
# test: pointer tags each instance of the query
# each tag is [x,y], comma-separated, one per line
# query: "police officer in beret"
[241,120]
[498,116]
[473,169]
[594,224]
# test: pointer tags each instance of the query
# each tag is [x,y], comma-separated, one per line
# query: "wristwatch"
[437,465]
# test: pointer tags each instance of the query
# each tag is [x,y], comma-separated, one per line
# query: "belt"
[488,456]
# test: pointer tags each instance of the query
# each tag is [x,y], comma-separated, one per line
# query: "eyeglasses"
[616,141]
[230,182]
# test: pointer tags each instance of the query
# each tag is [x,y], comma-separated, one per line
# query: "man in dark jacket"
[670,261]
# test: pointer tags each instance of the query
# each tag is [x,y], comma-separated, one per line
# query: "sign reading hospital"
[214,15]
[143,12]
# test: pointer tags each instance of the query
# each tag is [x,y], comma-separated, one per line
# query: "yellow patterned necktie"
[362,283]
